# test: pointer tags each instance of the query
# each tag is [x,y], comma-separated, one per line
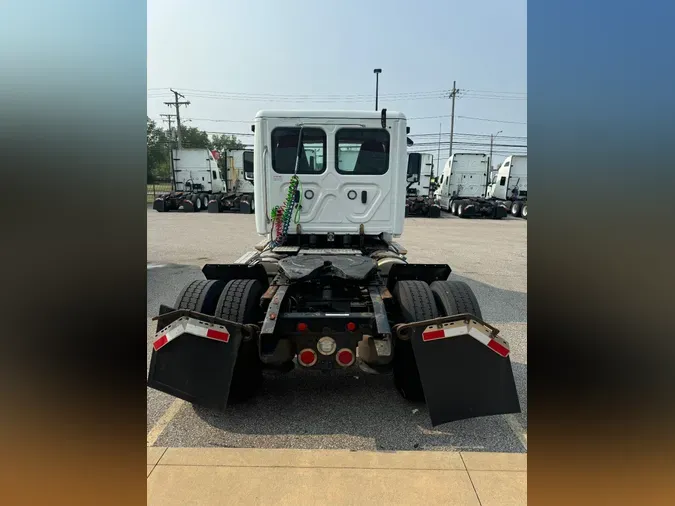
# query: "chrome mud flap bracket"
[194,354]
[464,367]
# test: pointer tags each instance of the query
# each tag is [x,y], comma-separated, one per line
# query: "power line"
[493,120]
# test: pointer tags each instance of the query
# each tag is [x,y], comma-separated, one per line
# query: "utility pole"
[177,105]
[452,115]
[168,119]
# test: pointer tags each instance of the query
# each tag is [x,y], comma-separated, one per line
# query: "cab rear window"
[285,150]
[362,151]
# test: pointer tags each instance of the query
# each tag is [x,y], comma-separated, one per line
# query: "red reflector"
[345,357]
[351,326]
[160,342]
[218,335]
[499,348]
[302,327]
[307,357]
[433,334]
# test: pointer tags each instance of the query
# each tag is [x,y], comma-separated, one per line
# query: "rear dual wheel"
[237,301]
[419,301]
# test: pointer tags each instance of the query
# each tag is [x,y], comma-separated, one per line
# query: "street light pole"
[377,84]
[489,171]
[492,138]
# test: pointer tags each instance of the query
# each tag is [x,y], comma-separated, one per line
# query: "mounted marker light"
[326,345]
[301,327]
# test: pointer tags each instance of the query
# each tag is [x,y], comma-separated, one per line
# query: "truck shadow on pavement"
[357,411]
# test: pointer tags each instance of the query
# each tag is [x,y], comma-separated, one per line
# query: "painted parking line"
[164,421]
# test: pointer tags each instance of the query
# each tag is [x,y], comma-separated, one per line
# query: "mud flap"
[214,206]
[194,355]
[464,367]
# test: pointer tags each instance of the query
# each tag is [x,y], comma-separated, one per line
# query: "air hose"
[282,215]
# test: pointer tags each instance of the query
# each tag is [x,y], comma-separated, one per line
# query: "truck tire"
[240,302]
[523,211]
[515,209]
[205,200]
[453,208]
[460,209]
[197,201]
[201,296]
[455,297]
[416,302]
[252,205]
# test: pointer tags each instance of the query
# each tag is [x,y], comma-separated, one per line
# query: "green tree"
[157,150]
[223,143]
[193,137]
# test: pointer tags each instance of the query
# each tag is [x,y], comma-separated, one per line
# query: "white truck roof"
[272,113]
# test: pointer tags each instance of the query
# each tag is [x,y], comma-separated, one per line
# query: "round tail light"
[345,357]
[307,357]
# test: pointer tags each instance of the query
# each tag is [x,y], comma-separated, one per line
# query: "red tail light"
[345,357]
[307,357]
[351,326]
[302,327]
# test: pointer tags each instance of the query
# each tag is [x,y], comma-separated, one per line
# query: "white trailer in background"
[463,185]
[421,183]
[509,184]
[199,183]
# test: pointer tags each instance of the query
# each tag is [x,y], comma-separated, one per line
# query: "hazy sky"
[252,55]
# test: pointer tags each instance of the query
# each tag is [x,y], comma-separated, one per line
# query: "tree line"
[159,142]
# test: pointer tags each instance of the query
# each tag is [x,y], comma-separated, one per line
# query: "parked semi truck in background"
[199,183]
[509,184]
[421,183]
[463,185]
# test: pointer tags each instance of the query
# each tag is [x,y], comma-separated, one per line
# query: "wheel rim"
[460,209]
[198,204]
[253,205]
[205,203]
[514,209]
[524,210]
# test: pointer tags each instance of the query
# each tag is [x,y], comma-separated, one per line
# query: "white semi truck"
[509,184]
[421,184]
[200,184]
[463,185]
[328,288]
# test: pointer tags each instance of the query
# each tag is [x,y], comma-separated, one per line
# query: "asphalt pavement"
[347,409]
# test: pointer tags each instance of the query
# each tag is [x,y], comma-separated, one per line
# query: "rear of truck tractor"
[330,289]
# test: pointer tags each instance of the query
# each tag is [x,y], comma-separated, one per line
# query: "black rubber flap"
[303,267]
[463,378]
[196,369]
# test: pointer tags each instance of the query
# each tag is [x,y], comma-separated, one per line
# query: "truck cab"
[464,176]
[509,182]
[350,168]
[196,170]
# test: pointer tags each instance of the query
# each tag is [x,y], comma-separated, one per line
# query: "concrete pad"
[204,485]
[150,468]
[500,488]
[154,454]
[253,457]
[485,461]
